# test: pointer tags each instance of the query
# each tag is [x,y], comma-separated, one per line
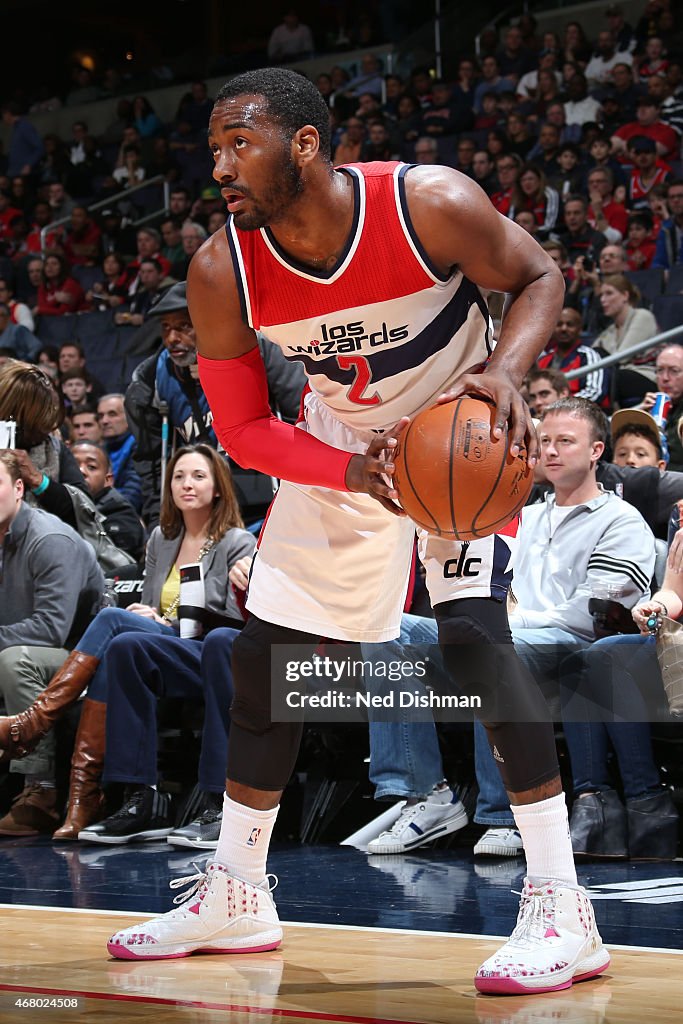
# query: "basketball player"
[370,276]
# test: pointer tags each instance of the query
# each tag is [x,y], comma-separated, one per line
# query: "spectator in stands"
[148,242]
[669,244]
[640,247]
[647,172]
[530,192]
[654,62]
[625,90]
[50,587]
[622,33]
[169,381]
[119,443]
[600,67]
[426,151]
[377,146]
[192,235]
[25,144]
[484,171]
[75,389]
[61,204]
[596,539]
[669,378]
[604,214]
[19,313]
[84,90]
[465,156]
[131,172]
[82,239]
[544,388]
[519,139]
[121,521]
[409,124]
[568,179]
[84,425]
[140,669]
[54,164]
[636,440]
[162,161]
[180,202]
[117,234]
[575,46]
[565,352]
[172,248]
[42,217]
[153,284]
[580,107]
[83,180]
[47,467]
[514,59]
[48,360]
[648,124]
[59,293]
[112,291]
[190,531]
[349,147]
[195,107]
[491,81]
[447,114]
[600,155]
[15,338]
[508,168]
[580,239]
[290,40]
[629,325]
[544,152]
[145,118]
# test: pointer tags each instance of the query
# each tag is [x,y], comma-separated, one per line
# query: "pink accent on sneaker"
[126,953]
[551,934]
[510,987]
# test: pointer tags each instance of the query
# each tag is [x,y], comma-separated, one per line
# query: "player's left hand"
[510,408]
[372,473]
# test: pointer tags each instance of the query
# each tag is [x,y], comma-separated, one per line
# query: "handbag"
[670,658]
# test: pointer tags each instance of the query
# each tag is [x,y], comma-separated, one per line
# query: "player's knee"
[250,707]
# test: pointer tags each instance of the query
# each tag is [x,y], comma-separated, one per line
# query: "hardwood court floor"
[370,940]
[336,974]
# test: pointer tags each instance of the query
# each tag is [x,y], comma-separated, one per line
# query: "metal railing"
[618,357]
[112,200]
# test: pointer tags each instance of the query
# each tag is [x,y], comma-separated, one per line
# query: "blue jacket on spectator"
[126,479]
[25,148]
[665,253]
[24,344]
[180,411]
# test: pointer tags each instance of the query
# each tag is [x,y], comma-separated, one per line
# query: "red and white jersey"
[383,333]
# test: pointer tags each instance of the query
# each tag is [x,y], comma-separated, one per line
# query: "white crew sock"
[544,828]
[244,840]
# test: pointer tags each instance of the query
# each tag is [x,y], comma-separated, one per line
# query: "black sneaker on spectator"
[202,833]
[145,815]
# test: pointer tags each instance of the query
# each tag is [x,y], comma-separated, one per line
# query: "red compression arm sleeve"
[237,391]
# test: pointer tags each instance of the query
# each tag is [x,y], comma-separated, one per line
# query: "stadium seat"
[668,311]
[674,281]
[650,284]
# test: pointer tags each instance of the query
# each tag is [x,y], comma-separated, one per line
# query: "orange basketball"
[453,479]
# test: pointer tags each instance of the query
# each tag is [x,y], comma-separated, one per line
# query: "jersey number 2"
[363,378]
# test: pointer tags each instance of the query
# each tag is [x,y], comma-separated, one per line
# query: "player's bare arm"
[458,226]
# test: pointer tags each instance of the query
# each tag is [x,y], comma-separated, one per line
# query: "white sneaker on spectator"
[499,842]
[555,943]
[437,815]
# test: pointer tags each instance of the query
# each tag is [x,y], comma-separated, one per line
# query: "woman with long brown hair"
[200,523]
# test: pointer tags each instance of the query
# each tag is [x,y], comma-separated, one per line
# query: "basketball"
[453,479]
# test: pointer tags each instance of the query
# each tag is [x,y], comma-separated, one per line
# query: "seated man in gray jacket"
[50,585]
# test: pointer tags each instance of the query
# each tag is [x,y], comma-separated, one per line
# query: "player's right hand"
[372,473]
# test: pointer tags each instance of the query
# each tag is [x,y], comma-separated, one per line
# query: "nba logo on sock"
[253,838]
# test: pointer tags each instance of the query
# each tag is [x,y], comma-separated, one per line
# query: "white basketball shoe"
[219,914]
[555,943]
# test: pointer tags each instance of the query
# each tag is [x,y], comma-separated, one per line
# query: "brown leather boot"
[20,734]
[86,801]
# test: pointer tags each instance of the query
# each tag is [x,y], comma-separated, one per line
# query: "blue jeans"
[107,624]
[144,668]
[542,651]
[405,760]
[624,661]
